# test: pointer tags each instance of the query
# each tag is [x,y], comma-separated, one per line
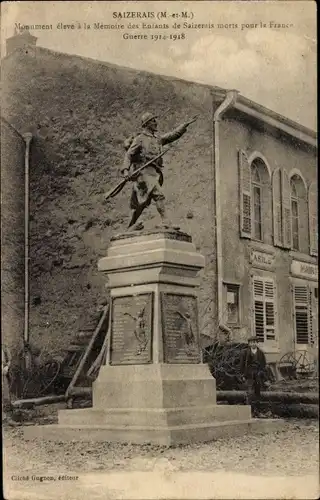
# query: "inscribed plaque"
[180,328]
[131,330]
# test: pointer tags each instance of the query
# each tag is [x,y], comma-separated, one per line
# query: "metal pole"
[27,137]
[227,103]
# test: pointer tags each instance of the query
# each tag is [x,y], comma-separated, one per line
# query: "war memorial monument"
[153,387]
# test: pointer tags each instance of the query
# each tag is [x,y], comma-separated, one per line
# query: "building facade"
[268,192]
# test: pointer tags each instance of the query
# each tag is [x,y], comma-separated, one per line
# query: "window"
[281,207]
[245,195]
[264,309]
[299,214]
[294,212]
[232,302]
[302,302]
[256,197]
[277,207]
[294,217]
[313,219]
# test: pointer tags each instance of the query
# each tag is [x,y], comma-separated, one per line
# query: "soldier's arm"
[177,132]
[174,134]
[132,151]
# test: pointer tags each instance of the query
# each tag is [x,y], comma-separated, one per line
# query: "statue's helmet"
[146,117]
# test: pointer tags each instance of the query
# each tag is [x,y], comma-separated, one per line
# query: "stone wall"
[81,111]
[12,234]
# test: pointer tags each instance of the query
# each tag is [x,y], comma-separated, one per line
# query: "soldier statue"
[147,183]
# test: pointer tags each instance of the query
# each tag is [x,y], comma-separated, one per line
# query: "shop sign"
[261,259]
[304,270]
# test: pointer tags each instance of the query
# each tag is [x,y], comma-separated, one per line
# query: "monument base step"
[169,436]
[153,417]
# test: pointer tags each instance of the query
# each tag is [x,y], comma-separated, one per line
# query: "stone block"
[154,417]
[154,386]
[174,435]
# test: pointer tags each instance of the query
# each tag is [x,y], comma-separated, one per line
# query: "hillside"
[80,111]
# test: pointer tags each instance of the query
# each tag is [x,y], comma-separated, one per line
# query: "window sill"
[302,347]
[281,247]
[304,257]
[260,245]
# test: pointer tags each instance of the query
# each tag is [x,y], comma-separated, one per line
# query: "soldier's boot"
[165,221]
[138,226]
[134,224]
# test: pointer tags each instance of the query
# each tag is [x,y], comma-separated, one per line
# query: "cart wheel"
[296,364]
[49,373]
[305,364]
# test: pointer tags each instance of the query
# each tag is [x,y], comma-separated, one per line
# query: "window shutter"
[258,302]
[245,195]
[286,209]
[313,219]
[301,297]
[311,337]
[314,313]
[270,309]
[264,295]
[276,208]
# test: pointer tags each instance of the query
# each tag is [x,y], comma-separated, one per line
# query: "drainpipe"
[27,137]
[228,102]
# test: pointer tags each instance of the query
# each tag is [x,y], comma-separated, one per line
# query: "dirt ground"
[283,464]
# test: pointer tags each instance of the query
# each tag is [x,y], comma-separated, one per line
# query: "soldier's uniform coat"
[144,147]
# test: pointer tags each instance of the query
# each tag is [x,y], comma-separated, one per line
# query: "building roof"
[276,120]
[25,34]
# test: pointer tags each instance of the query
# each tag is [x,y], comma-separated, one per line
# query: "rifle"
[116,190]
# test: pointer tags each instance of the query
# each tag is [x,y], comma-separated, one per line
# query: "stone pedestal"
[154,387]
[153,280]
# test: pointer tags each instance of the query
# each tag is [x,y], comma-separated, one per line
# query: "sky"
[275,67]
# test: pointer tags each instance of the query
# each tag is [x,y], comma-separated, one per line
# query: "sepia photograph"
[159,250]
